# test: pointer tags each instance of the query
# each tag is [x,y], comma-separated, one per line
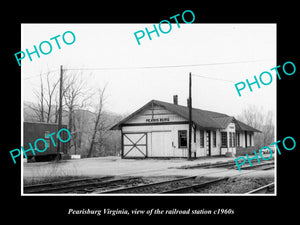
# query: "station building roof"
[203,119]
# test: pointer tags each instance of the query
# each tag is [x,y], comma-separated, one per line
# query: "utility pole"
[190,117]
[60,108]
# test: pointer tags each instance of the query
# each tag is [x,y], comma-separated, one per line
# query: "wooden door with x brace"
[134,145]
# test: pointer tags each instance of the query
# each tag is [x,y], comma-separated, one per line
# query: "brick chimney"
[175,99]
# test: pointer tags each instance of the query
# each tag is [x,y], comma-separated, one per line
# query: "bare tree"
[98,126]
[50,95]
[38,108]
[268,129]
[43,109]
[254,116]
[76,96]
[78,127]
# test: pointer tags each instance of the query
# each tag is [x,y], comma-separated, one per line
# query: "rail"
[269,188]
[86,185]
[142,188]
[194,186]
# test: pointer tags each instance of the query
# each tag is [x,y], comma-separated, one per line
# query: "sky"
[108,54]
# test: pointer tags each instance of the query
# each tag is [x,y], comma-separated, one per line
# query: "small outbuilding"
[160,129]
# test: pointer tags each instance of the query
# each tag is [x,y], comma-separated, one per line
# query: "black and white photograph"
[149,111]
[161,117]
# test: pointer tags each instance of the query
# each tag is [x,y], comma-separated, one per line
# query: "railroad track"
[262,166]
[110,184]
[194,187]
[80,185]
[266,189]
[180,185]
[150,188]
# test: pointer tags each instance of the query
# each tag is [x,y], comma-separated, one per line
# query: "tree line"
[255,116]
[83,111]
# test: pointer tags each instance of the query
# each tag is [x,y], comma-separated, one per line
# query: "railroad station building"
[160,129]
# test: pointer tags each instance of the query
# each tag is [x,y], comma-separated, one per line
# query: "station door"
[134,145]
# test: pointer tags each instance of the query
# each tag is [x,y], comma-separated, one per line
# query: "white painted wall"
[200,151]
[216,150]
[229,128]
[242,139]
[162,139]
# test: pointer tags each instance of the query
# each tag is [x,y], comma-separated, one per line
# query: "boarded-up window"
[182,138]
[202,138]
[223,139]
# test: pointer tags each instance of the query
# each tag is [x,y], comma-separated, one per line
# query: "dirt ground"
[115,166]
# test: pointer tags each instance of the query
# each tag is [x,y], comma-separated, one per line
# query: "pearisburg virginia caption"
[149,212]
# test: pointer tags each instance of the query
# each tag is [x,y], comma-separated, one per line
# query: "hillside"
[107,142]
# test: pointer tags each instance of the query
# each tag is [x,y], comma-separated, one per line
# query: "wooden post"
[122,143]
[190,117]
